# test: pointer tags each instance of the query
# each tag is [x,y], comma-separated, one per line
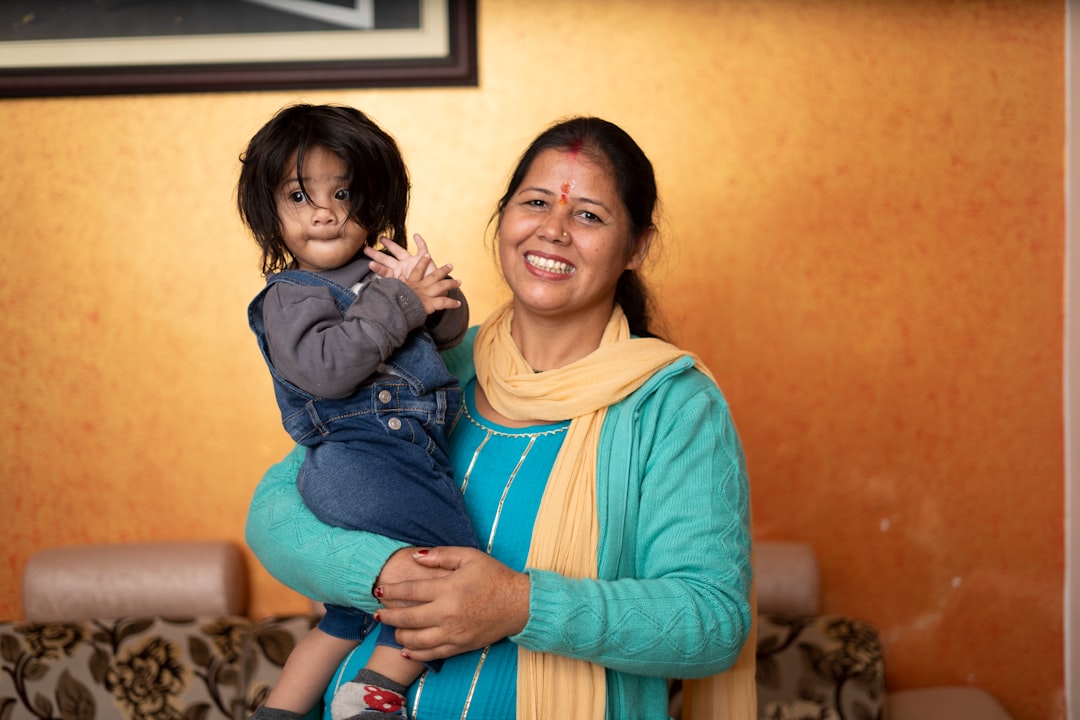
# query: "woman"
[600,469]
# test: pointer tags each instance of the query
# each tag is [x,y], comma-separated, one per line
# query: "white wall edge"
[1071,377]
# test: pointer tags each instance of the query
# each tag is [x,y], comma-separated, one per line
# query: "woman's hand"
[400,567]
[479,602]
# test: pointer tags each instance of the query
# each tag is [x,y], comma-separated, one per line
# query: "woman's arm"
[675,600]
[318,561]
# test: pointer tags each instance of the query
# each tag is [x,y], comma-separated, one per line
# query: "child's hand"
[433,286]
[399,263]
[430,283]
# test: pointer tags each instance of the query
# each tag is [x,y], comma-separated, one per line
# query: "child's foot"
[370,696]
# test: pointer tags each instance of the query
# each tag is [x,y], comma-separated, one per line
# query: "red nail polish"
[378,592]
[377,617]
[422,552]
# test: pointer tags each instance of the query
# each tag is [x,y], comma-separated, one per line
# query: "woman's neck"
[549,343]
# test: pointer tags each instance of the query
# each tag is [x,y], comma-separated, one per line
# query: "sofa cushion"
[821,667]
[134,668]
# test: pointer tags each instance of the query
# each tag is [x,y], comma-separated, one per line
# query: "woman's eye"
[591,217]
[535,202]
[341,195]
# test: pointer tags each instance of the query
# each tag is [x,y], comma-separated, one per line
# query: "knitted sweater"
[672,597]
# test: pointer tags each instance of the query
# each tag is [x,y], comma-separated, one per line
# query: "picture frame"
[440,52]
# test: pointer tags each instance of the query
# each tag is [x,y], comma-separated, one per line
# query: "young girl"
[356,369]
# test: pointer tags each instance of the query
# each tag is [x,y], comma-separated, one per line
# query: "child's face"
[316,227]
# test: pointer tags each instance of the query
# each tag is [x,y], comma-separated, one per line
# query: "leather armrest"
[170,579]
[944,703]
[787,578]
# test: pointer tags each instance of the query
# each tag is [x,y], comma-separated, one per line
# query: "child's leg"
[308,671]
[378,690]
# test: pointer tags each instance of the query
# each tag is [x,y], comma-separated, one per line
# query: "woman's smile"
[549,264]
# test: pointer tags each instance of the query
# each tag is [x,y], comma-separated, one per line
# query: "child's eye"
[341,195]
[297,196]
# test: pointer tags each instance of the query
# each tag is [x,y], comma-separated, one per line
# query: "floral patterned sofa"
[142,631]
[149,668]
[159,632]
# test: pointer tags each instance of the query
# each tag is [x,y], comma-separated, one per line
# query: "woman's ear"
[639,250]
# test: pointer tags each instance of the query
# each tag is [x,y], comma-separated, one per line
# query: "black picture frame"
[456,66]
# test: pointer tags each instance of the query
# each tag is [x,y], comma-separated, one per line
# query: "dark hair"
[610,145]
[378,179]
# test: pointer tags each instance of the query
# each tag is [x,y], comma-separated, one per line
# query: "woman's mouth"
[549,265]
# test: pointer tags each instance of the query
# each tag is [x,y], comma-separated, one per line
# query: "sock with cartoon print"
[369,696]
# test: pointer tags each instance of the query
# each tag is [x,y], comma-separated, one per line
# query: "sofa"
[160,631]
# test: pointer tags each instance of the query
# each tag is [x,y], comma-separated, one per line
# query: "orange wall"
[864,238]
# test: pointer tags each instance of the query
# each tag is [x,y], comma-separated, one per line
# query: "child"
[356,370]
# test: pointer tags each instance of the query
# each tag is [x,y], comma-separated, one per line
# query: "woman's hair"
[612,147]
[378,179]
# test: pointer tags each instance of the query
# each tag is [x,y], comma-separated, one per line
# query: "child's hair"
[378,180]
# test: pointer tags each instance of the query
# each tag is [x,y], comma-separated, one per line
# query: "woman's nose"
[554,229]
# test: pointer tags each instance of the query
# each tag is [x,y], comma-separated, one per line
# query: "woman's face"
[564,237]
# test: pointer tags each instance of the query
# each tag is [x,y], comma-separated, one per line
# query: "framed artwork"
[112,47]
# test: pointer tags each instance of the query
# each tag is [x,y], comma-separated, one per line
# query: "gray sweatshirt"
[330,355]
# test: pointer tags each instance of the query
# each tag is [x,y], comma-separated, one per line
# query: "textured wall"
[864,239]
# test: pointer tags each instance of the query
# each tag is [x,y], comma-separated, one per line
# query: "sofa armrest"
[163,579]
[945,703]
[787,578]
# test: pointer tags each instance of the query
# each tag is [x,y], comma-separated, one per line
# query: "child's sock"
[368,696]
[265,713]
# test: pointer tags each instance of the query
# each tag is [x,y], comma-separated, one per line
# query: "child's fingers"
[441,302]
[416,273]
[394,249]
[433,285]
[439,273]
[381,264]
[421,245]
[376,255]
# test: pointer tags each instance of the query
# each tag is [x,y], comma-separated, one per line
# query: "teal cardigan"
[673,594]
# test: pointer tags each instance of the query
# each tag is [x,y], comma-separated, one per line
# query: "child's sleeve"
[447,327]
[326,353]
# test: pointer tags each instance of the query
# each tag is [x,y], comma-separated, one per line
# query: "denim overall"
[376,460]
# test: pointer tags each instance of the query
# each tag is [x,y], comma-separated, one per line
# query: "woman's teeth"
[554,266]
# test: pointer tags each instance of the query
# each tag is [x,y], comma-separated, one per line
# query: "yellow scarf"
[566,532]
